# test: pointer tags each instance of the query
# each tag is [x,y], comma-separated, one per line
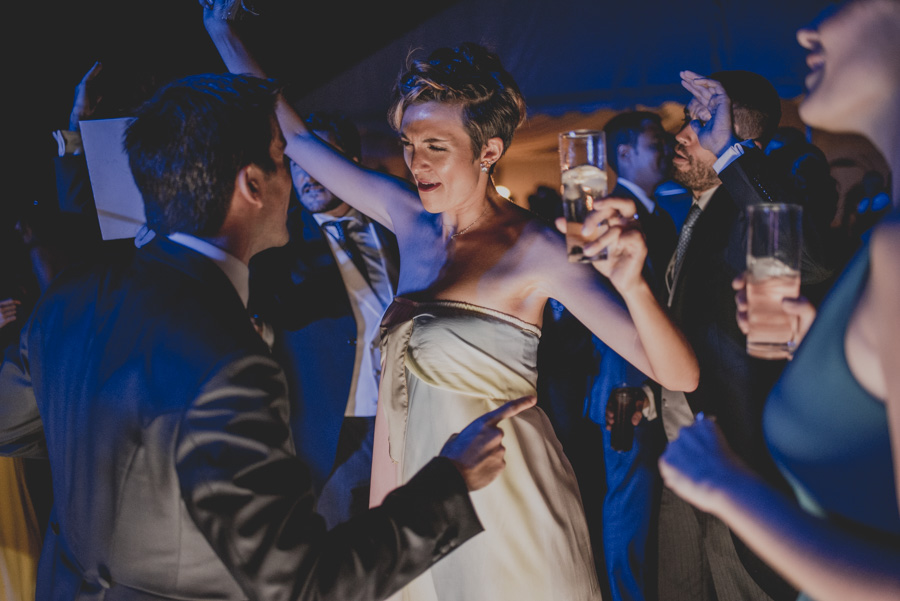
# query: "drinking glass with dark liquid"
[582,161]
[622,404]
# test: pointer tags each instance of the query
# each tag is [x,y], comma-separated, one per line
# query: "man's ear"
[249,185]
[623,151]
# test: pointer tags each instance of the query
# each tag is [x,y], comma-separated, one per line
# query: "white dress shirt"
[368,300]
[639,192]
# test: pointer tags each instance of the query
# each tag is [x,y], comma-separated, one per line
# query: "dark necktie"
[341,230]
[684,238]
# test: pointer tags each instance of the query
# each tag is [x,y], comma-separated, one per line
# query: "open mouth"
[812,80]
[312,187]
[816,63]
[426,187]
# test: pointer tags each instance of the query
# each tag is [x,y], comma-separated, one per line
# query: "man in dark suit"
[164,416]
[578,372]
[718,158]
[324,293]
[636,151]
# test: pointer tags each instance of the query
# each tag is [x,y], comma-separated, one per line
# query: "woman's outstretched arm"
[641,332]
[380,196]
[824,561]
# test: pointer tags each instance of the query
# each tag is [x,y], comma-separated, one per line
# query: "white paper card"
[120,207]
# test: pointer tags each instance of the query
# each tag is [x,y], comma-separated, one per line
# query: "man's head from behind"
[756,111]
[636,148]
[755,105]
[341,133]
[188,143]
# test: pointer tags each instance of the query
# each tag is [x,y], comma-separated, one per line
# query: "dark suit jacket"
[299,290]
[662,237]
[166,424]
[76,199]
[733,386]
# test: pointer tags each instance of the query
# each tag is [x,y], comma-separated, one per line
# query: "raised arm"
[380,196]
[750,177]
[641,332]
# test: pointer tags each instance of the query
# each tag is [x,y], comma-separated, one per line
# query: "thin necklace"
[471,225]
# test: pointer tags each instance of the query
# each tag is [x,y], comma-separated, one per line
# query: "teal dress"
[828,435]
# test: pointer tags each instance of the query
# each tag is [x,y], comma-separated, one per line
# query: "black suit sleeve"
[21,429]
[252,499]
[750,180]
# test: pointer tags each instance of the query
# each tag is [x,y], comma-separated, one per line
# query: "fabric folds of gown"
[446,363]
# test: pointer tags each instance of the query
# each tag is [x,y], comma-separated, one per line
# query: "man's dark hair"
[755,104]
[187,144]
[345,133]
[625,128]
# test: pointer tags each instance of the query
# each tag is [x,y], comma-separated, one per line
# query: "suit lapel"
[708,246]
[657,256]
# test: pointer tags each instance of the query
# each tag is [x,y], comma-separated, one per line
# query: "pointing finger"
[509,409]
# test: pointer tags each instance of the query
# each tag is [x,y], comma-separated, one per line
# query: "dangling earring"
[485,166]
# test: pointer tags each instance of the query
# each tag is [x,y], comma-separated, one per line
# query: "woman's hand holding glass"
[613,226]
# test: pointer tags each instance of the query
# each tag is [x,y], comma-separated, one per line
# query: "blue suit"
[632,478]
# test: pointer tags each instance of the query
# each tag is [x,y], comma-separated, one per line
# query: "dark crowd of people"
[303,378]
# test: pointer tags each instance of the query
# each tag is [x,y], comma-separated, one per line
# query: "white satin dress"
[446,363]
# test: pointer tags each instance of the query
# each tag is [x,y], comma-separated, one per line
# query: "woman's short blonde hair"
[468,75]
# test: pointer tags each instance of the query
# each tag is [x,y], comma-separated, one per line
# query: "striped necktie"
[357,240]
[684,238]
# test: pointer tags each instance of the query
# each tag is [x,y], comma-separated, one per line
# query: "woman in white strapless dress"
[475,273]
[449,362]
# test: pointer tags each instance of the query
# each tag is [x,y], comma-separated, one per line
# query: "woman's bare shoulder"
[535,229]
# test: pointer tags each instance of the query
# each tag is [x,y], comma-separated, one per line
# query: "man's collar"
[323,218]
[638,192]
[704,198]
[236,270]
